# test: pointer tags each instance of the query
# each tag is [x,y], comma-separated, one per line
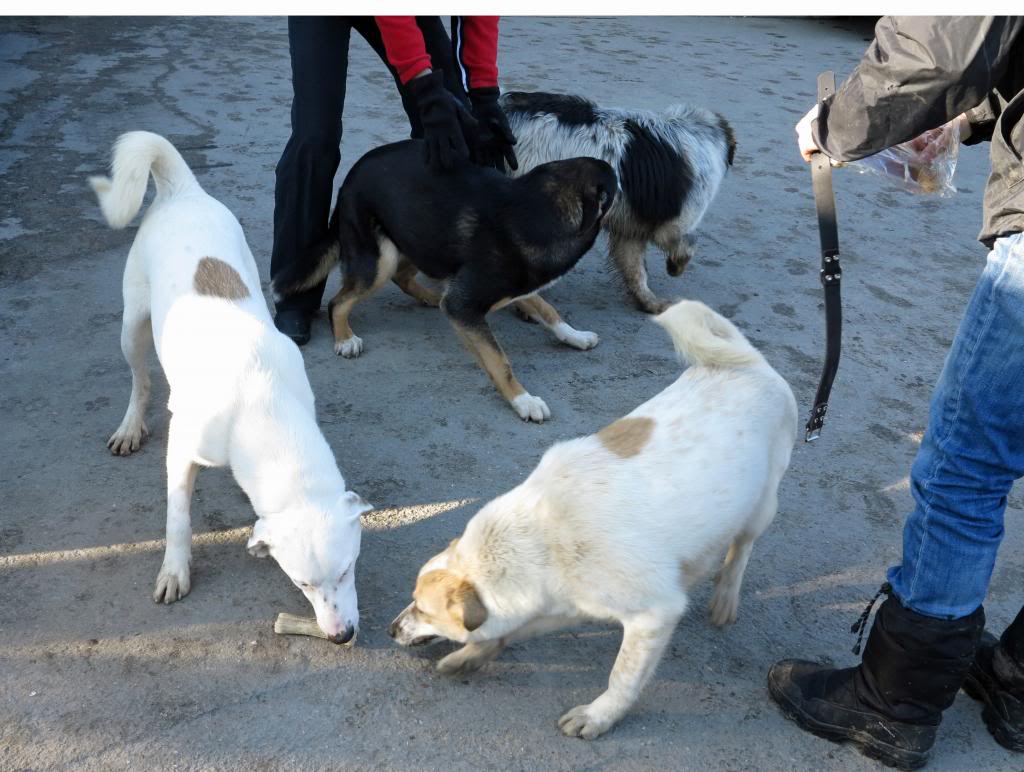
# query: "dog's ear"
[593,199]
[465,606]
[356,503]
[259,543]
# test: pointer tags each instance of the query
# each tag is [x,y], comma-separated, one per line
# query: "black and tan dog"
[495,241]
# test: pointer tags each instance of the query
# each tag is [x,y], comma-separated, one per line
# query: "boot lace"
[861,625]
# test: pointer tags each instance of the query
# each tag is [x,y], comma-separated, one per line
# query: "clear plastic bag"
[925,165]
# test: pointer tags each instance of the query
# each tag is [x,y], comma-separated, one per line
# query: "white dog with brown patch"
[618,526]
[239,395]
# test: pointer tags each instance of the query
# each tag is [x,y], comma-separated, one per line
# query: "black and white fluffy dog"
[670,166]
[493,240]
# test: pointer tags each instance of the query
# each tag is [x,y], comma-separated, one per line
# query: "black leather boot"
[997,679]
[891,705]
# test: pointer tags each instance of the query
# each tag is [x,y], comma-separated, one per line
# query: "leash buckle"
[815,422]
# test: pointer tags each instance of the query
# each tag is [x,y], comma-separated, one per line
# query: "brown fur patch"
[215,278]
[627,436]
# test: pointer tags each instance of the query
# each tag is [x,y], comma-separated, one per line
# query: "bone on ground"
[290,624]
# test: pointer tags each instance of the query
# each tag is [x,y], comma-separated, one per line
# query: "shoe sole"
[1010,738]
[870,746]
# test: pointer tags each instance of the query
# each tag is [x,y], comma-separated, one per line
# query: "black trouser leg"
[305,173]
[367,27]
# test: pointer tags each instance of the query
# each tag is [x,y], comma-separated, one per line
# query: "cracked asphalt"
[94,675]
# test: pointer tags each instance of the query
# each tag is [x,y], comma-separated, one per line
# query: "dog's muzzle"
[395,630]
[345,636]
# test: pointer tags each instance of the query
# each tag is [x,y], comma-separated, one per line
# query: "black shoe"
[997,681]
[823,701]
[891,705]
[294,323]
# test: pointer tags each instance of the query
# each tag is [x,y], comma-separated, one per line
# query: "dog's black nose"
[345,636]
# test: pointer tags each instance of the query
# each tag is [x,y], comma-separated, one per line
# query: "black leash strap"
[831,273]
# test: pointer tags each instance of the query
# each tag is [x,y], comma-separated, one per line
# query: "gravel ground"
[94,675]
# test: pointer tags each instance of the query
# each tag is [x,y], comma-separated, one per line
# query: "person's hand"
[447,124]
[934,142]
[805,137]
[495,139]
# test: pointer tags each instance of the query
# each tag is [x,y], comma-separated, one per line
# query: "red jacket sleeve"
[476,50]
[404,45]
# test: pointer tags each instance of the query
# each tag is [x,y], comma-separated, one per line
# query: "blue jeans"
[972,451]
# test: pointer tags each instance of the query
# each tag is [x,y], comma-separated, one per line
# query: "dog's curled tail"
[703,337]
[136,155]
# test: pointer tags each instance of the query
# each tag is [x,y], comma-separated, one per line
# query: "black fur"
[655,178]
[492,237]
[568,109]
[730,138]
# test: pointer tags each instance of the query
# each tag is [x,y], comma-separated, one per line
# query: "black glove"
[494,139]
[446,122]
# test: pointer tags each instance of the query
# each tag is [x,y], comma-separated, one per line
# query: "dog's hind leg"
[353,290]
[476,335]
[644,637]
[405,278]
[136,339]
[628,256]
[725,601]
[174,580]
[536,309]
[679,247]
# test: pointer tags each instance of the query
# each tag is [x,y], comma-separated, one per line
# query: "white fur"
[531,408]
[592,534]
[239,395]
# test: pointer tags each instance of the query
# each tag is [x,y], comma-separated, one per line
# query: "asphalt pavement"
[94,675]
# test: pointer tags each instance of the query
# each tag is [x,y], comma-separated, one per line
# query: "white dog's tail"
[136,154]
[703,337]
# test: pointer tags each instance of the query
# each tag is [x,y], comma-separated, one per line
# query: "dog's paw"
[579,339]
[461,663]
[349,348]
[585,721]
[531,408]
[654,306]
[173,583]
[724,605]
[128,437]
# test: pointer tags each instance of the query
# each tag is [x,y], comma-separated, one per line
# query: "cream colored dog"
[239,395]
[618,526]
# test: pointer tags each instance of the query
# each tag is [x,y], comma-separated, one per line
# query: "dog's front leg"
[470,657]
[473,656]
[174,581]
[643,641]
[476,335]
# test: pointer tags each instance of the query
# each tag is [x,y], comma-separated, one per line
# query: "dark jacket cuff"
[983,119]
